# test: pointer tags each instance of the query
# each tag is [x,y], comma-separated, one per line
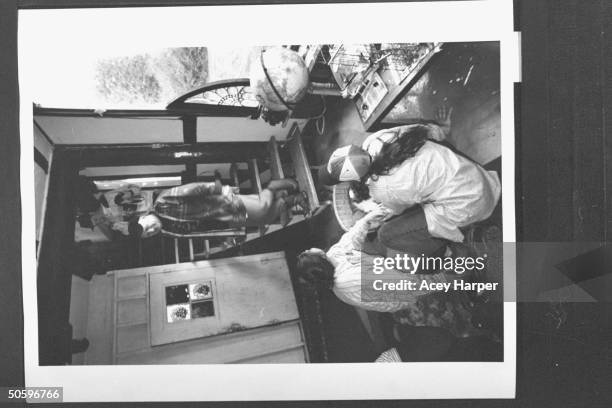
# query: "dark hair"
[360,190]
[402,147]
[118,198]
[315,271]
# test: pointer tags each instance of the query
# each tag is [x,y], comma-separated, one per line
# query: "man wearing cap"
[430,189]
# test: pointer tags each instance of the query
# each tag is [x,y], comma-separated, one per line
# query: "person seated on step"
[431,190]
[200,207]
[352,275]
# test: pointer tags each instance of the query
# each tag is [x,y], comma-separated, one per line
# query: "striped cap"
[348,163]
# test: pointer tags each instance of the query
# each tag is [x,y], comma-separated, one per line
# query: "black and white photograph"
[269,204]
[198,233]
[306,203]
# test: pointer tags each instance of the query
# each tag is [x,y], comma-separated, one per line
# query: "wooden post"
[176,251]
[206,248]
[301,166]
[256,185]
[54,276]
[191,257]
[190,137]
[162,248]
[234,175]
[276,167]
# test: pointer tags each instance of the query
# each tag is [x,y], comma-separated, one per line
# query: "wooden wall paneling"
[564,111]
[11,342]
[254,177]
[534,122]
[531,163]
[249,346]
[256,187]
[606,86]
[301,166]
[100,323]
[260,281]
[559,152]
[54,276]
[518,169]
[276,166]
[190,137]
[588,187]
[133,155]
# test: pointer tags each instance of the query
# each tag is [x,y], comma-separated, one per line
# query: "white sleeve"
[351,240]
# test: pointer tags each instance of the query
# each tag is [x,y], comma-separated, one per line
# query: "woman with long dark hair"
[431,190]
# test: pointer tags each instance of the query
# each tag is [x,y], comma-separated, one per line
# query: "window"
[112,78]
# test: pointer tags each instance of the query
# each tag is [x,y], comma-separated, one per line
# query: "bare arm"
[354,239]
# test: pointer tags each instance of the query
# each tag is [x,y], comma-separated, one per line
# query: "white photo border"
[489,20]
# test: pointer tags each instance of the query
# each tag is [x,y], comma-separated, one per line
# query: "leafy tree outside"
[147,79]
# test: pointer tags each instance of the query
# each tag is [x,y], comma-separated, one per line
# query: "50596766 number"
[39,394]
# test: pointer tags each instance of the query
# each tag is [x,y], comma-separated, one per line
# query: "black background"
[564,173]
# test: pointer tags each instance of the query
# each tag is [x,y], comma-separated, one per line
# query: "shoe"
[301,200]
[285,214]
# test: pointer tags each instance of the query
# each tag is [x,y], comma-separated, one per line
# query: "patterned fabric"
[127,202]
[120,206]
[450,311]
[389,356]
[200,207]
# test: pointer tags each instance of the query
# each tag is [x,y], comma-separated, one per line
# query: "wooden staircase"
[201,245]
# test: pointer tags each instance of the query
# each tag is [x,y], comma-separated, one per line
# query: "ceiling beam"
[191,109]
[190,129]
[190,137]
[41,160]
[114,177]
[45,135]
[122,155]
